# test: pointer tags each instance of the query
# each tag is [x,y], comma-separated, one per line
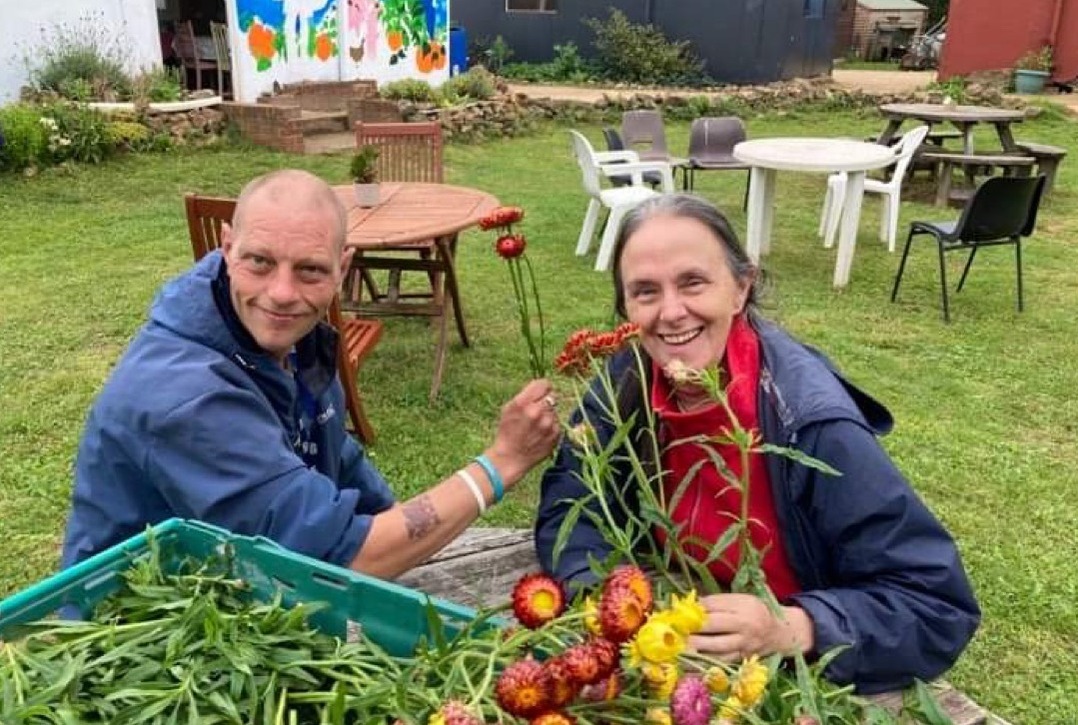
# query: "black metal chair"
[1001,211]
[614,143]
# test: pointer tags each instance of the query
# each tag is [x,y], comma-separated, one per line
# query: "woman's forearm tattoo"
[420,518]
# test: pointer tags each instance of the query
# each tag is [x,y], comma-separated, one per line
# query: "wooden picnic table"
[964,118]
[480,568]
[429,217]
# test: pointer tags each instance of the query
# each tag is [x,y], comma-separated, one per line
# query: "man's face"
[284,271]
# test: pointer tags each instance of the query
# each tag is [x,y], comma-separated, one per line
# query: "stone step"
[315,122]
[330,143]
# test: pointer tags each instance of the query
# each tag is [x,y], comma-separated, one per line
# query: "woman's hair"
[685,206]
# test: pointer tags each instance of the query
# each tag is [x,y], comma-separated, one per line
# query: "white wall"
[22,22]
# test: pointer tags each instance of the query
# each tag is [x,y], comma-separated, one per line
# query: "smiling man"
[226,408]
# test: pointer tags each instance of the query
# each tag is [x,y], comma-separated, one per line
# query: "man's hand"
[527,432]
[739,625]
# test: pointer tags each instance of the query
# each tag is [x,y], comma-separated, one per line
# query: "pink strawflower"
[691,702]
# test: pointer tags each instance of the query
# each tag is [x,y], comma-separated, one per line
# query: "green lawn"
[986,407]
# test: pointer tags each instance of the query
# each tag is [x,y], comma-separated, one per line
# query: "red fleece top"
[709,503]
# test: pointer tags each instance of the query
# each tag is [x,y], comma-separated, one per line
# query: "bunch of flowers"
[621,657]
[511,246]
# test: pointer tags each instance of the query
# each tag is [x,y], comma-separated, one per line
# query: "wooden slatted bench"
[973,165]
[480,568]
[1048,160]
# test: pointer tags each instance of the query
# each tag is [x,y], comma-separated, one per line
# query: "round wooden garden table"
[420,218]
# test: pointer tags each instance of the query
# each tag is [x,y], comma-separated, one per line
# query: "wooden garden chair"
[408,152]
[187,50]
[358,336]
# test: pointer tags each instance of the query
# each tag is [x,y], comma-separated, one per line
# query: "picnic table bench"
[1048,160]
[480,568]
[972,165]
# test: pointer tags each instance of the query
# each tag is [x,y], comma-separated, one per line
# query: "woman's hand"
[740,625]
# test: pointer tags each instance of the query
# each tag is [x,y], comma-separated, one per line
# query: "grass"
[858,64]
[986,407]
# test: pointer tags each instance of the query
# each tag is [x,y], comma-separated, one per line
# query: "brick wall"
[267,124]
[866,20]
[373,110]
[322,95]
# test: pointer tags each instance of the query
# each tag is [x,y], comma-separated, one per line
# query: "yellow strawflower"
[751,681]
[632,650]
[436,719]
[686,613]
[731,709]
[658,716]
[658,641]
[591,617]
[718,682]
[660,679]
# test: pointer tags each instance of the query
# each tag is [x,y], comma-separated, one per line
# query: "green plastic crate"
[393,616]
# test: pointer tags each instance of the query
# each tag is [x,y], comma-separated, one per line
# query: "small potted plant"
[365,176]
[1032,70]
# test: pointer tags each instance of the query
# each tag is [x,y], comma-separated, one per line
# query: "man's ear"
[346,260]
[226,238]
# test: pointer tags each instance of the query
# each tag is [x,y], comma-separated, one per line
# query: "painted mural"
[278,31]
[287,41]
[398,38]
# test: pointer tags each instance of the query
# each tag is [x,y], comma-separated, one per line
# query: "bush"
[408,89]
[25,138]
[76,133]
[81,62]
[129,135]
[567,65]
[477,85]
[157,85]
[642,54]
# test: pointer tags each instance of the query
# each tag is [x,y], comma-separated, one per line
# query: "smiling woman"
[858,562]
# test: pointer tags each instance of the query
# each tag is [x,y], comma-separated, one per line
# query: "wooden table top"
[949,112]
[412,212]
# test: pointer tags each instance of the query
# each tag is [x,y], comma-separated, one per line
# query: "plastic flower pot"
[1029,81]
[366,194]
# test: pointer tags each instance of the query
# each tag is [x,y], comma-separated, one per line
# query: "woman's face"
[679,289]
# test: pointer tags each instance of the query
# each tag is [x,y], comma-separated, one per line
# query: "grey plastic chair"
[614,143]
[643,132]
[711,148]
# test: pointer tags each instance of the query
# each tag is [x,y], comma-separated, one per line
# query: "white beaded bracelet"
[476,491]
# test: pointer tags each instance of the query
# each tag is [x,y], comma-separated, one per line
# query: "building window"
[814,8]
[531,6]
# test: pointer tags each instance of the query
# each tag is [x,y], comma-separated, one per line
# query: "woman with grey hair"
[856,560]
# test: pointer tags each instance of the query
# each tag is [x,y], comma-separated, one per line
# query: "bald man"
[226,408]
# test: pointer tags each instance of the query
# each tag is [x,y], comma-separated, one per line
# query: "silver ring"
[549,400]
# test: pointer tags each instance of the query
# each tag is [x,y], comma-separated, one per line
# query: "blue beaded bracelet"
[495,478]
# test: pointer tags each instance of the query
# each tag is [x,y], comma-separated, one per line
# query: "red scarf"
[709,504]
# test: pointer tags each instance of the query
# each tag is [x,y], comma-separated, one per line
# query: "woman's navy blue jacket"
[879,573]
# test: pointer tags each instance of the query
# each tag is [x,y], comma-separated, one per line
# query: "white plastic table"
[814,155]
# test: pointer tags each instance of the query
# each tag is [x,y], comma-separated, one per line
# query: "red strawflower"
[564,687]
[503,216]
[509,246]
[621,613]
[537,599]
[554,718]
[607,689]
[606,654]
[523,689]
[636,580]
[583,664]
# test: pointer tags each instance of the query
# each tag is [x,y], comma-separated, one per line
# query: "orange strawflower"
[537,599]
[636,580]
[564,686]
[523,689]
[620,613]
[553,718]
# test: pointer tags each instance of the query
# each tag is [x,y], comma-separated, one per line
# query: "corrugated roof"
[891,4]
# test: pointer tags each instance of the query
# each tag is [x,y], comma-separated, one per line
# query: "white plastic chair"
[890,190]
[594,166]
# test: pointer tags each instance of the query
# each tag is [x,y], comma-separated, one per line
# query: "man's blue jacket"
[879,574]
[197,422]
